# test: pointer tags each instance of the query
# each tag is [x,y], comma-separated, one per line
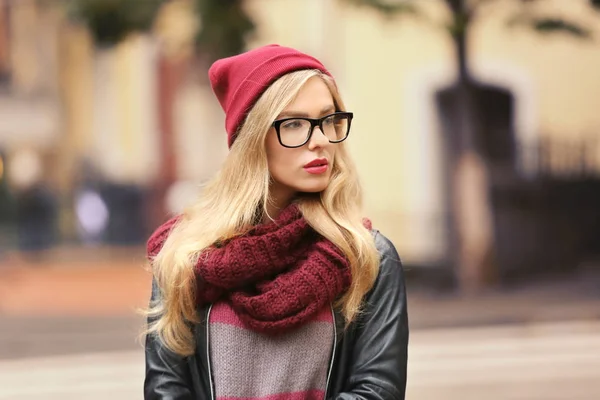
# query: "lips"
[319,162]
[317,167]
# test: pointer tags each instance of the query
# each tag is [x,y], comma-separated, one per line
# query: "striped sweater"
[252,366]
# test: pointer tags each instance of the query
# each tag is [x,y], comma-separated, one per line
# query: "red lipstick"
[317,166]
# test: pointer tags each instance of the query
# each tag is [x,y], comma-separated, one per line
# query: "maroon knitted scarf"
[275,277]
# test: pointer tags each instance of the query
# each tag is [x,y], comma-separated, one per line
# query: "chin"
[314,187]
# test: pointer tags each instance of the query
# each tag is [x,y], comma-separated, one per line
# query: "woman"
[272,286]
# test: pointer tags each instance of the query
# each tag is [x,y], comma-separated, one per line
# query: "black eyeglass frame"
[313,123]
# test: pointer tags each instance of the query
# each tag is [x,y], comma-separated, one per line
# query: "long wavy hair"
[230,204]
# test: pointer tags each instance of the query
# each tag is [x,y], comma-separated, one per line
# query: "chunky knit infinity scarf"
[275,277]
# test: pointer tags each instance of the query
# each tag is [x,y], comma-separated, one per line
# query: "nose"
[318,138]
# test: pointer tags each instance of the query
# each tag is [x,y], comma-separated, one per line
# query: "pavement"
[74,282]
[69,330]
[80,301]
[533,361]
[72,301]
[537,361]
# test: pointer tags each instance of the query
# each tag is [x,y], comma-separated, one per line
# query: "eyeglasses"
[296,132]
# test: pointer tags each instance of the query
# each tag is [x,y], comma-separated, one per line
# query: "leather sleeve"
[167,374]
[378,363]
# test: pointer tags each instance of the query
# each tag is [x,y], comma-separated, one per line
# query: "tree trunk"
[470,205]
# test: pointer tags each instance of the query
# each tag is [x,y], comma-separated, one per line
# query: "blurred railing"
[553,158]
[549,222]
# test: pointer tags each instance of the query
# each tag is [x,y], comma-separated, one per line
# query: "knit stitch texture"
[276,277]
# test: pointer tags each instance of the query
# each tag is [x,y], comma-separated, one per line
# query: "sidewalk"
[577,299]
[65,306]
[116,282]
[74,301]
[75,282]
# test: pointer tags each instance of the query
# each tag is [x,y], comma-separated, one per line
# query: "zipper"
[333,353]
[210,380]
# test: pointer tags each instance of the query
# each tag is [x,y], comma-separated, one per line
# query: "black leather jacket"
[369,358]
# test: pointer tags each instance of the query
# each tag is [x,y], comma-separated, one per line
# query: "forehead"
[314,96]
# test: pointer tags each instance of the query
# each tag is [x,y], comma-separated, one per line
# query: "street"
[549,361]
[68,331]
[545,361]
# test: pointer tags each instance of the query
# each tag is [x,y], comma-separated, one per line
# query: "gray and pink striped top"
[247,365]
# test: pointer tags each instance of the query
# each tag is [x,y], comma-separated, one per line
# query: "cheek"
[279,159]
[281,167]
[332,153]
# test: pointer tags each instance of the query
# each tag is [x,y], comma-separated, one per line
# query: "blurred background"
[477,136]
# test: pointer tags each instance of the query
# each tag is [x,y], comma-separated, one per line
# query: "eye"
[330,120]
[293,124]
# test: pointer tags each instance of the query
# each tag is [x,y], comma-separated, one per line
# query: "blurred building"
[133,112]
[30,122]
[390,70]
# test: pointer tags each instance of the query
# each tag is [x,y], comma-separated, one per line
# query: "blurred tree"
[225,27]
[111,21]
[224,24]
[477,127]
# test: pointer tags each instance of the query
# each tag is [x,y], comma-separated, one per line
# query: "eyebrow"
[301,114]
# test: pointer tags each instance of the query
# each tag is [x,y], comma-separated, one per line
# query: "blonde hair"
[238,195]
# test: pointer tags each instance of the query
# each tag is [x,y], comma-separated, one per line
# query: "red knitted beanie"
[238,81]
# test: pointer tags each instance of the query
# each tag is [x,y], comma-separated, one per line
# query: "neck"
[278,202]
